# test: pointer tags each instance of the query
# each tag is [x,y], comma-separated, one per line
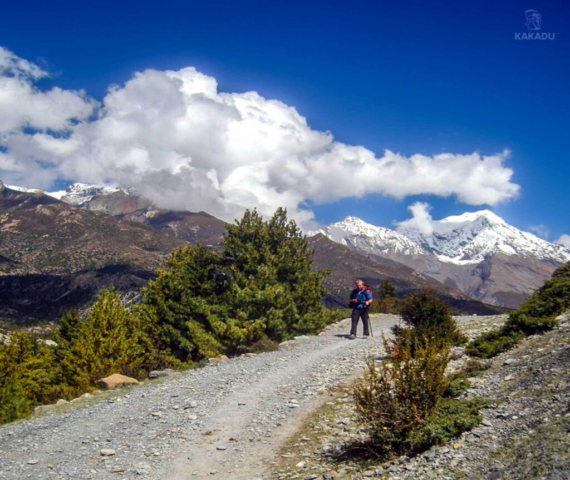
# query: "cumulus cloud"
[177,140]
[564,240]
[421,220]
[23,105]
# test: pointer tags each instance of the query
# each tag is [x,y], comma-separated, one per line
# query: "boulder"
[159,373]
[116,380]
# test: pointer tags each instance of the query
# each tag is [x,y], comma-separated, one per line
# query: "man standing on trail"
[360,298]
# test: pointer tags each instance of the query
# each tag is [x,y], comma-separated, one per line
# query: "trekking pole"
[370,326]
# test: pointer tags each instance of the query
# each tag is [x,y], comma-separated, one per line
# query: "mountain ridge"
[476,252]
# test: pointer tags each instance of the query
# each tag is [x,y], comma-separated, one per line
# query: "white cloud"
[564,240]
[541,230]
[23,105]
[177,140]
[421,220]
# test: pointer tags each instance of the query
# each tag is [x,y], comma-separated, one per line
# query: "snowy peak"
[471,217]
[359,235]
[472,237]
[79,193]
[460,239]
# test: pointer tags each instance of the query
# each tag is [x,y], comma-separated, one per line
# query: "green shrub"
[426,316]
[492,343]
[563,271]
[449,420]
[28,376]
[261,286]
[456,385]
[110,340]
[536,315]
[395,398]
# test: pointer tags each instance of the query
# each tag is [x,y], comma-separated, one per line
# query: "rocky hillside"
[524,433]
[192,227]
[43,235]
[477,253]
[54,256]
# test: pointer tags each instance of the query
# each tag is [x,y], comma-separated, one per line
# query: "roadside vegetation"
[257,291]
[406,403]
[535,316]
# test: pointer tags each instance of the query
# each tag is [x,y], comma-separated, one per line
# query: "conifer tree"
[110,340]
[387,289]
[260,285]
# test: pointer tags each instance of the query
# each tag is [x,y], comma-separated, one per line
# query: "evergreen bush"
[427,317]
[260,286]
[536,315]
[396,397]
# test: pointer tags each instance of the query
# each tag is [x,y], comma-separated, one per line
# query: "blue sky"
[408,76]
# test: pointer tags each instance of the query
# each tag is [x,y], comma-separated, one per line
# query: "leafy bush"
[429,318]
[110,340]
[260,286]
[395,398]
[449,420]
[536,315]
[27,376]
[492,343]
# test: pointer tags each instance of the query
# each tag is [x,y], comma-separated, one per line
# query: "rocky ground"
[525,433]
[274,415]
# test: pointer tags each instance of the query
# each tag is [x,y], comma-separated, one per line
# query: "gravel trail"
[223,421]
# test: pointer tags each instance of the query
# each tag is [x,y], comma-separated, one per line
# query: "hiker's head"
[359,284]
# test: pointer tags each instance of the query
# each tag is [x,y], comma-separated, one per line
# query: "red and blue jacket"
[362,296]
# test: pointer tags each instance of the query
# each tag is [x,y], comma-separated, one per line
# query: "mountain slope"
[123,204]
[347,265]
[477,253]
[54,256]
[472,237]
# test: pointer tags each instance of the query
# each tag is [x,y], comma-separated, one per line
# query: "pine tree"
[259,286]
[387,289]
[28,376]
[110,340]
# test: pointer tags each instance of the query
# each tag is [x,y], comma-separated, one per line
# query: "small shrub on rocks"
[492,343]
[535,316]
[396,397]
[429,318]
[449,420]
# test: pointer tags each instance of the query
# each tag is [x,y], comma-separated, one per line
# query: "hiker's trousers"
[356,315]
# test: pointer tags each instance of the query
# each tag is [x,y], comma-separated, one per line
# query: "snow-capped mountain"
[472,237]
[462,239]
[75,194]
[478,253]
[359,235]
[80,193]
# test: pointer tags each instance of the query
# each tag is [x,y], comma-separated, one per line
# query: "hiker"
[360,299]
